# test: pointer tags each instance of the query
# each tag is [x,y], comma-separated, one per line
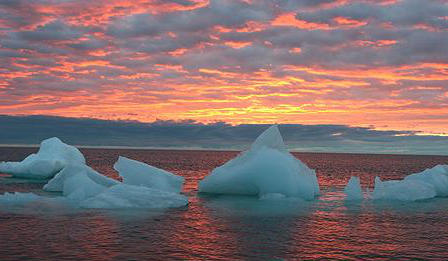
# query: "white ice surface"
[140,174]
[129,196]
[52,156]
[353,189]
[267,167]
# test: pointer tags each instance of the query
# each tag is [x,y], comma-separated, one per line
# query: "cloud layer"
[352,62]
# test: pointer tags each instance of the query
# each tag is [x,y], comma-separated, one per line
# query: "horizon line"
[403,153]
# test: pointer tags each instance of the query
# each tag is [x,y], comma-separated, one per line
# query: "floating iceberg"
[130,196]
[353,189]
[140,174]
[53,155]
[266,168]
[143,186]
[58,181]
[427,184]
[436,176]
[404,190]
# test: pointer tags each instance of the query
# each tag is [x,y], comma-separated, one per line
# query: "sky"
[380,65]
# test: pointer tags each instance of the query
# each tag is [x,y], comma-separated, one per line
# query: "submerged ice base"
[129,196]
[266,168]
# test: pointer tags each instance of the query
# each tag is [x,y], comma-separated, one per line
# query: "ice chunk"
[52,156]
[353,189]
[266,168]
[129,196]
[404,190]
[80,186]
[57,182]
[140,174]
[436,176]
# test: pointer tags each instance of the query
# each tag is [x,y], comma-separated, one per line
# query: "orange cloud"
[289,19]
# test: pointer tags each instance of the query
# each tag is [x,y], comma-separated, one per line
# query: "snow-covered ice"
[267,167]
[353,189]
[140,174]
[53,155]
[130,196]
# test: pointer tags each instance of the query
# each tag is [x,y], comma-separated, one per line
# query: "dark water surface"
[232,228]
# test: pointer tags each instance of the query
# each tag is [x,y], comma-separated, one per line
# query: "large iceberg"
[427,184]
[266,168]
[53,155]
[352,190]
[140,174]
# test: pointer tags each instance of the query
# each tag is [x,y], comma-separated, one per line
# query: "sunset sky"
[381,64]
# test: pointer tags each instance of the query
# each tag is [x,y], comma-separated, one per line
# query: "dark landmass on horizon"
[188,134]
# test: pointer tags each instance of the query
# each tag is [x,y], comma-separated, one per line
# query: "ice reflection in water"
[232,228]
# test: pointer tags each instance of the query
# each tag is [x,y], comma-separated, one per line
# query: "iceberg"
[353,190]
[427,184]
[56,184]
[267,168]
[53,155]
[436,176]
[143,186]
[403,190]
[130,196]
[140,174]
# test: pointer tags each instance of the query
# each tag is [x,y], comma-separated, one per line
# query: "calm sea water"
[232,228]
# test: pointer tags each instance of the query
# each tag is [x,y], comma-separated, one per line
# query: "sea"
[232,227]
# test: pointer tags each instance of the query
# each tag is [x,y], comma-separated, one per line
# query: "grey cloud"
[225,13]
[52,31]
